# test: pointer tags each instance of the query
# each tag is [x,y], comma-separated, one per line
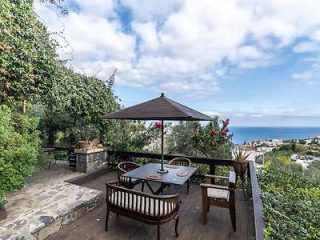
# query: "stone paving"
[47,204]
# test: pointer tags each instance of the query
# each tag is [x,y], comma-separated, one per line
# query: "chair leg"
[233,218]
[107,219]
[188,186]
[205,206]
[158,231]
[204,213]
[176,226]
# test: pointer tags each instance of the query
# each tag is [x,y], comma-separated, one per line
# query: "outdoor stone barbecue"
[90,160]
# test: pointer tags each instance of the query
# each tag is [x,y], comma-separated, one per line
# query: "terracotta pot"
[3,214]
[85,145]
[240,167]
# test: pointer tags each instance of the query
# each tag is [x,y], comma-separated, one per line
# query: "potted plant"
[3,213]
[87,132]
[240,163]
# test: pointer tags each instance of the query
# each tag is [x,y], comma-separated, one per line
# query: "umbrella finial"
[162,95]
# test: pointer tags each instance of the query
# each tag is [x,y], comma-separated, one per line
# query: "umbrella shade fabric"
[161,108]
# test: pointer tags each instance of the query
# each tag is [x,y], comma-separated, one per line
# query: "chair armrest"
[232,177]
[209,178]
[215,176]
[206,185]
[113,182]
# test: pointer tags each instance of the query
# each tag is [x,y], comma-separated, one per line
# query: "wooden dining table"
[177,175]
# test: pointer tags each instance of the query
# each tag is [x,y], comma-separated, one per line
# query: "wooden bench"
[144,207]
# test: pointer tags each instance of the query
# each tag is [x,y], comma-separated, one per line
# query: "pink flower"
[158,125]
[213,133]
[225,123]
[193,130]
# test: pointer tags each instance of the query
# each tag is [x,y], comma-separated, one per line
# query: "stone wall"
[90,160]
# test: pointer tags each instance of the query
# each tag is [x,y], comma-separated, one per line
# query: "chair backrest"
[140,203]
[181,161]
[124,167]
[232,181]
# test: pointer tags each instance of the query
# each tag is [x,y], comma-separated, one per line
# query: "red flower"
[224,131]
[213,133]
[225,123]
[158,125]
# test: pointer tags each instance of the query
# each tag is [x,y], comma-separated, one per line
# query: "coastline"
[248,134]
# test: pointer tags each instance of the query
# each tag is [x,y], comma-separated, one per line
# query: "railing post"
[212,172]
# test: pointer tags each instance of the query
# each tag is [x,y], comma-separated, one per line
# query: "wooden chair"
[144,207]
[128,182]
[220,196]
[182,161]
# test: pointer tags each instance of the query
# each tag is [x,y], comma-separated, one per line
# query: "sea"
[248,134]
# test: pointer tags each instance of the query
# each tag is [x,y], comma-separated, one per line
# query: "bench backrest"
[141,203]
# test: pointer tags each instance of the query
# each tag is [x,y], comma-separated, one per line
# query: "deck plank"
[91,226]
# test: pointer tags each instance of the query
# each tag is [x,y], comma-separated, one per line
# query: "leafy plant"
[291,199]
[3,200]
[133,135]
[240,155]
[212,140]
[18,149]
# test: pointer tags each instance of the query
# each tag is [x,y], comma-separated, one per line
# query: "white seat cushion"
[218,193]
[141,204]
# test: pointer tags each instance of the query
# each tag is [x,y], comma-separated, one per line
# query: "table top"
[171,177]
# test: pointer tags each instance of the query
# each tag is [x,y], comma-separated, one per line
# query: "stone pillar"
[90,160]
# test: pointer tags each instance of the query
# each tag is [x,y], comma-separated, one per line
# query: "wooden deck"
[91,226]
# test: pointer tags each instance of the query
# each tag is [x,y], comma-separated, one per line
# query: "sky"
[256,62]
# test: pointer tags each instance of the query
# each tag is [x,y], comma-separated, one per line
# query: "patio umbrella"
[161,108]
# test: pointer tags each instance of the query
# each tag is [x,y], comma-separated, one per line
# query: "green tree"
[180,139]
[18,149]
[28,58]
[133,135]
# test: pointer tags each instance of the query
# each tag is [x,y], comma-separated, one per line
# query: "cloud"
[95,7]
[307,46]
[182,45]
[146,10]
[309,76]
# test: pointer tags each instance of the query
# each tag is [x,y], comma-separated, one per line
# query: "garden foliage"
[18,149]
[33,80]
[134,135]
[210,140]
[291,200]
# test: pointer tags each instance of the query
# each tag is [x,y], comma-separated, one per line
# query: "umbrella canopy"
[161,108]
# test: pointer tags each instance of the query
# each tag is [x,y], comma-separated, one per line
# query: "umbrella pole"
[162,170]
[162,145]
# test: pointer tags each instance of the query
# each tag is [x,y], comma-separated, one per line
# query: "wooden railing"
[255,192]
[212,163]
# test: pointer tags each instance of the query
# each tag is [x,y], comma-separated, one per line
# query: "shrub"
[134,136]
[2,200]
[18,149]
[291,202]
[213,140]
[302,141]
